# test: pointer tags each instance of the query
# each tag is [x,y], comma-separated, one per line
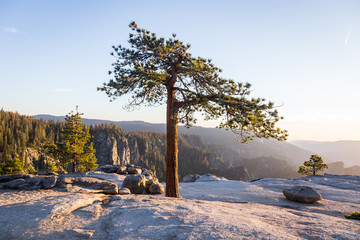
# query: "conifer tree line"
[74,147]
[55,139]
[20,132]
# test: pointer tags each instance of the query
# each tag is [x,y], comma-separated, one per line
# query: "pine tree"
[13,166]
[158,71]
[75,146]
[313,166]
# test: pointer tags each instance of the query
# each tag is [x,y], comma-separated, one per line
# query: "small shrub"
[354,215]
[313,166]
[13,166]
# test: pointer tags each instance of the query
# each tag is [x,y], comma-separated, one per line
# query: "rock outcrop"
[38,161]
[124,191]
[134,170]
[69,183]
[302,194]
[123,170]
[87,184]
[136,183]
[209,177]
[8,178]
[49,182]
[111,150]
[156,188]
[190,178]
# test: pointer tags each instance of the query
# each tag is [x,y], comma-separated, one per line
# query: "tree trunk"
[172,182]
[74,164]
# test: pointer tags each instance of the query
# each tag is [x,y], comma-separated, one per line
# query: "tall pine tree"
[75,146]
[158,71]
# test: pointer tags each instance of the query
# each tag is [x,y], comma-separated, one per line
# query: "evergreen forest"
[21,135]
[23,141]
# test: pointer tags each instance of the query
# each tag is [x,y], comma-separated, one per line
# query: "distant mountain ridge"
[254,149]
[345,151]
[294,152]
[126,125]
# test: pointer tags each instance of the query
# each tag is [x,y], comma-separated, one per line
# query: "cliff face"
[149,149]
[340,169]
[111,150]
[35,160]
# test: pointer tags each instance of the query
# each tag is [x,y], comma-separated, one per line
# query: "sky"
[302,55]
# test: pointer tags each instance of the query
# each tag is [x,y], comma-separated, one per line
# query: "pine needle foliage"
[156,71]
[313,166]
[13,166]
[75,147]
[152,65]
[354,215]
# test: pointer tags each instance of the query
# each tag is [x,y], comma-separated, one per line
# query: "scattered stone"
[148,173]
[14,184]
[108,168]
[156,188]
[122,170]
[134,170]
[124,191]
[149,182]
[49,182]
[209,177]
[8,178]
[136,183]
[47,173]
[89,183]
[32,183]
[25,184]
[191,178]
[302,194]
[125,169]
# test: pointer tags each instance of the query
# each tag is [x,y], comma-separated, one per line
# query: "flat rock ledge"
[208,177]
[125,169]
[81,183]
[302,194]
[67,183]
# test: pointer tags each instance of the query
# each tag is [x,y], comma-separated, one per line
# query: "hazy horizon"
[302,55]
[141,120]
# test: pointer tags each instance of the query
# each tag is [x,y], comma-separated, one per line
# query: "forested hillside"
[22,138]
[18,134]
[259,148]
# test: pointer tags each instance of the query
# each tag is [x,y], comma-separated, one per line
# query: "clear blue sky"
[303,55]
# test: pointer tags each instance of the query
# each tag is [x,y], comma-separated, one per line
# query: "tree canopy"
[156,71]
[313,166]
[75,146]
[13,166]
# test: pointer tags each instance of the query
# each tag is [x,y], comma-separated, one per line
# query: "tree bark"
[74,164]
[172,182]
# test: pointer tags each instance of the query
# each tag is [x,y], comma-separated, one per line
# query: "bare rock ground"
[209,210]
